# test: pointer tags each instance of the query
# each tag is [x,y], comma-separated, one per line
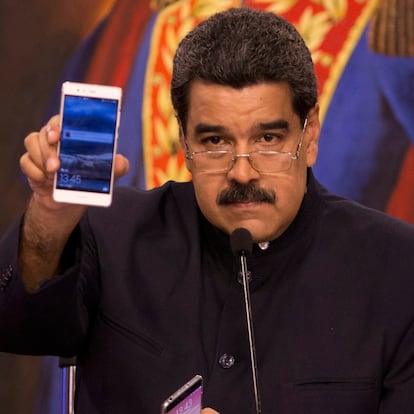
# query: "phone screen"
[187,400]
[87,143]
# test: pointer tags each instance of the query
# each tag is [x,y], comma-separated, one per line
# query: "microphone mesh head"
[241,242]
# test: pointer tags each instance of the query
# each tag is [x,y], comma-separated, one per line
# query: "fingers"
[49,138]
[40,161]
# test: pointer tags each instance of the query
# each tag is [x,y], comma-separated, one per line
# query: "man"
[147,293]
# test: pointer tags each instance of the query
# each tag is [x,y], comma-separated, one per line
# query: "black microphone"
[241,243]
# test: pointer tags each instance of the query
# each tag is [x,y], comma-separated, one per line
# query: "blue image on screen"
[87,144]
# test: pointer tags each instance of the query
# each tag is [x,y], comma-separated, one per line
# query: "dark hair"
[242,47]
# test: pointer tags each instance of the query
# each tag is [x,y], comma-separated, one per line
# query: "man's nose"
[242,170]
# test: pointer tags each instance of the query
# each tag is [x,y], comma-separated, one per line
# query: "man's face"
[243,120]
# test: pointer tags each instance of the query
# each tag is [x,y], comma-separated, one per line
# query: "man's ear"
[312,132]
[184,145]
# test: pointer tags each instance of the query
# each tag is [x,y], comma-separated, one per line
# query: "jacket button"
[226,361]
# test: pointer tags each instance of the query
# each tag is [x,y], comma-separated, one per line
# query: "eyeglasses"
[265,162]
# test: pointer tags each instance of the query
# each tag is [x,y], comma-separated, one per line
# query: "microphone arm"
[241,243]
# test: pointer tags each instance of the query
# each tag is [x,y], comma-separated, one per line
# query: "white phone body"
[89,117]
[186,400]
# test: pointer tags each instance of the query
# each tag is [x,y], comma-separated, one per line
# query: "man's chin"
[259,231]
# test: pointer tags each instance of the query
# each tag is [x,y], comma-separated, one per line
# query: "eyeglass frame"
[190,155]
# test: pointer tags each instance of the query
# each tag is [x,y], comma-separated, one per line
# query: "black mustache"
[245,193]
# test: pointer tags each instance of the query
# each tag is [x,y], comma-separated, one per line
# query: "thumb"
[121,166]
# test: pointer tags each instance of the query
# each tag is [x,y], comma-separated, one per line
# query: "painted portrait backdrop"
[363,54]
[364,58]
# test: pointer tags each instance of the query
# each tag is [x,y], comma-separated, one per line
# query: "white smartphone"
[89,116]
[186,400]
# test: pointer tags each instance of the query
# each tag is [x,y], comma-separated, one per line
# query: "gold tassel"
[392,28]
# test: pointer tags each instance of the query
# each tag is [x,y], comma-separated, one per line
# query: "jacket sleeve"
[53,320]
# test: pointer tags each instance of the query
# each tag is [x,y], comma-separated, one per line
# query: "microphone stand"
[68,366]
[249,319]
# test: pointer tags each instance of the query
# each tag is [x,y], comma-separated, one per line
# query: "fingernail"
[51,165]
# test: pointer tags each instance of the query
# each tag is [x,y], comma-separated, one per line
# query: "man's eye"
[270,138]
[214,140]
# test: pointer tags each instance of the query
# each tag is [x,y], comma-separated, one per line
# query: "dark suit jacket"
[149,296]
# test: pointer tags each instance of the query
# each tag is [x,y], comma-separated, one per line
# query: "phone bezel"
[187,389]
[93,91]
